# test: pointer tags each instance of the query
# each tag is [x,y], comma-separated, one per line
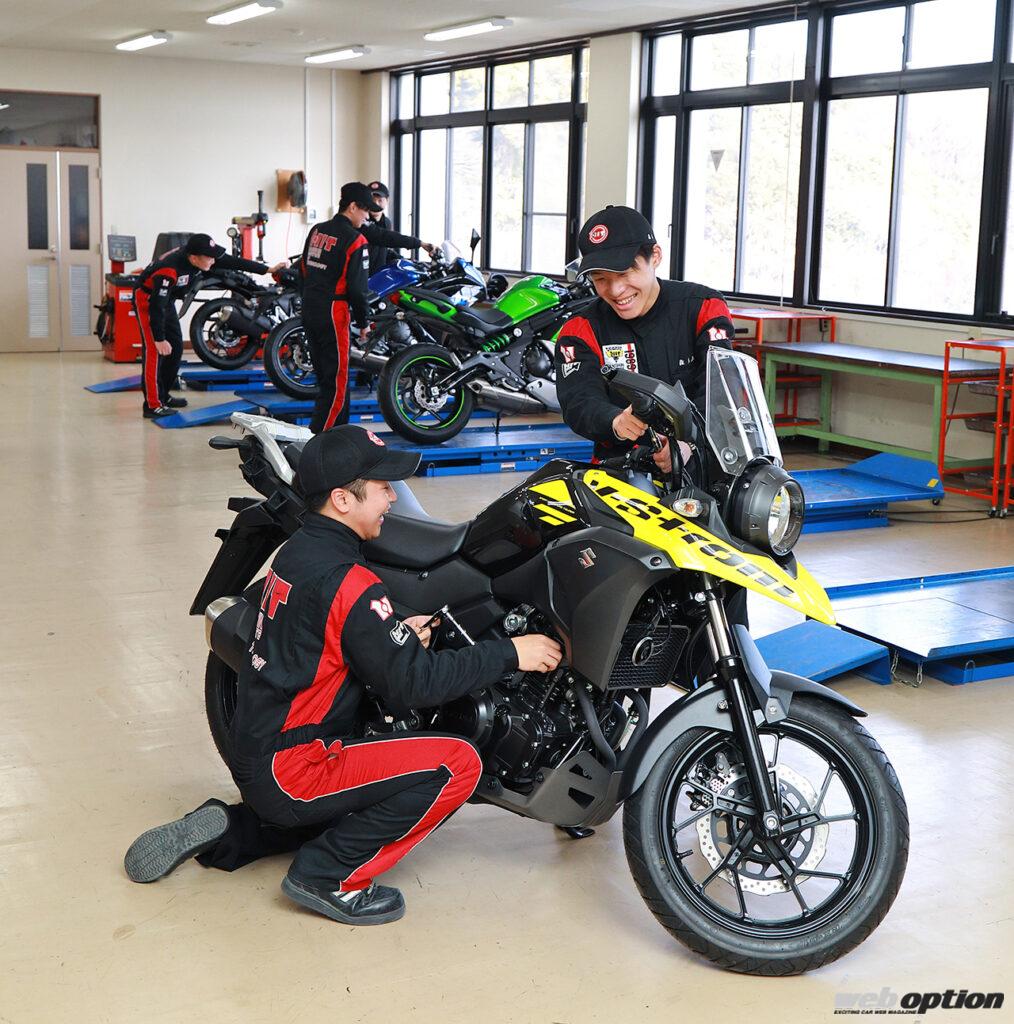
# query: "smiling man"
[659,328]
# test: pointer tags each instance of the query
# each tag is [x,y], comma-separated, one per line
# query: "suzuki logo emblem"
[586,559]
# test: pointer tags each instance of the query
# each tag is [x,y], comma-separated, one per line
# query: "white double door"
[50,254]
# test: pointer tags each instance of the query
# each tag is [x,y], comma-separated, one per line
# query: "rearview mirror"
[671,399]
[474,242]
[570,271]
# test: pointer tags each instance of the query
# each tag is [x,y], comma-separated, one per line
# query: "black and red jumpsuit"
[670,342]
[162,282]
[334,268]
[326,638]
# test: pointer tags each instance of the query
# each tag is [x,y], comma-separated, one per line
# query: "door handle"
[51,255]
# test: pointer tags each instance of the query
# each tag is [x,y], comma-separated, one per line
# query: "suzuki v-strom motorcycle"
[501,357]
[763,825]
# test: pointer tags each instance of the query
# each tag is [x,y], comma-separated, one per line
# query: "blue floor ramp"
[817,651]
[856,497]
[956,627]
[196,375]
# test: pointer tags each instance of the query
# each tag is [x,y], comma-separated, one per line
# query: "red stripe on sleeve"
[354,246]
[311,705]
[580,327]
[712,309]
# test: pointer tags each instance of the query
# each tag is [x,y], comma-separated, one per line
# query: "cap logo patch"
[598,234]
[376,440]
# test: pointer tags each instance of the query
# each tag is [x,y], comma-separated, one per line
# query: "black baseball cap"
[358,193]
[611,238]
[203,245]
[378,188]
[346,453]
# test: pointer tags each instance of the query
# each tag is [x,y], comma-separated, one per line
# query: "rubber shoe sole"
[328,909]
[157,852]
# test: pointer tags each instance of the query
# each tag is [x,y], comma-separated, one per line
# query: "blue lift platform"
[856,497]
[818,652]
[196,375]
[956,627]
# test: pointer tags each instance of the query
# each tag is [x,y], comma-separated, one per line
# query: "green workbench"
[885,364]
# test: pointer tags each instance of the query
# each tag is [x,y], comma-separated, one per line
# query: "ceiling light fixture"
[245,12]
[335,55]
[473,28]
[143,42]
[5,106]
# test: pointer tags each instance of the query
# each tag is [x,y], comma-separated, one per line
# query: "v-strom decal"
[690,546]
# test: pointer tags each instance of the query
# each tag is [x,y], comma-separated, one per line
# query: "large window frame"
[816,89]
[406,215]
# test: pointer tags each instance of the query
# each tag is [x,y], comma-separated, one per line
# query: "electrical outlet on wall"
[311,215]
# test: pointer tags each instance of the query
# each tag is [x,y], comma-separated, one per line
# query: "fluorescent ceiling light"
[243,13]
[143,42]
[5,106]
[334,55]
[473,28]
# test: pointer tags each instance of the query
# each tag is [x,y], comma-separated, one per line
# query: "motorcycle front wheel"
[214,338]
[287,360]
[771,906]
[221,691]
[410,401]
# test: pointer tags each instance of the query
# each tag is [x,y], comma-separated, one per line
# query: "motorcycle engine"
[538,361]
[526,724]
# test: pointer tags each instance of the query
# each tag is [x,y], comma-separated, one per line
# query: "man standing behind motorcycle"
[327,640]
[659,328]
[380,231]
[162,282]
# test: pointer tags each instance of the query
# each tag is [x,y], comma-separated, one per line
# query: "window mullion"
[896,180]
[526,198]
[744,160]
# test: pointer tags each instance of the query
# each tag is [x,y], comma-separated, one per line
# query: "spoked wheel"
[216,341]
[287,360]
[221,692]
[413,403]
[762,905]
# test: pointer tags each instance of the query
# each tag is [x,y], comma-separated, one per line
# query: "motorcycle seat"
[489,321]
[410,542]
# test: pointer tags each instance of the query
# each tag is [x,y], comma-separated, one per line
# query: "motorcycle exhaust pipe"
[229,624]
[367,360]
[242,324]
[509,402]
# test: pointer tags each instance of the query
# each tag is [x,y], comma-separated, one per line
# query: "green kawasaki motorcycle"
[501,357]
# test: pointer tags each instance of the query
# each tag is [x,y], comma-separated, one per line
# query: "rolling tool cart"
[117,328]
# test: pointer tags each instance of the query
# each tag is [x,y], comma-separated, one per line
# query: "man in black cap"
[310,780]
[162,282]
[380,231]
[659,328]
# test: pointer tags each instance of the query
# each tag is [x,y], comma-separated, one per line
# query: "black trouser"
[327,332]
[351,808]
[158,373]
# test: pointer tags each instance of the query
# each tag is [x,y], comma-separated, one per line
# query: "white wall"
[613,100]
[186,144]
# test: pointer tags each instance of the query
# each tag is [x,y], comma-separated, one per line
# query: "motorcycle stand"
[576,831]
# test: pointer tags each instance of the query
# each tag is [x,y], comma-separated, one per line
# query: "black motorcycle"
[764,826]
[226,332]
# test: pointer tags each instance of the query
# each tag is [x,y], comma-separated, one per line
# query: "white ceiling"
[392,29]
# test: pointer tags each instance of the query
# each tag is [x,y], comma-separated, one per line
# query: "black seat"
[292,452]
[411,543]
[488,320]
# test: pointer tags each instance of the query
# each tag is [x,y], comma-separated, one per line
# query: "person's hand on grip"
[627,427]
[537,653]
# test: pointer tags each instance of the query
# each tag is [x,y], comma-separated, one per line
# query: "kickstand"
[576,831]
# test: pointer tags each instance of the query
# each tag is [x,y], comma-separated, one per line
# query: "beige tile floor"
[108,528]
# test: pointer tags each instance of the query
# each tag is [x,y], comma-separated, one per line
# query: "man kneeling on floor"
[352,807]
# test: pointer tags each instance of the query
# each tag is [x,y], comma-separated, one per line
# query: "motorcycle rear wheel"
[215,341]
[287,360]
[221,691]
[403,398]
[711,915]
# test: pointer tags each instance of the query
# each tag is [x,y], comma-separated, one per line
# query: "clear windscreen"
[739,425]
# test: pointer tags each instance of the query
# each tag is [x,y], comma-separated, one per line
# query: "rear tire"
[215,341]
[752,944]
[221,691]
[408,410]
[287,360]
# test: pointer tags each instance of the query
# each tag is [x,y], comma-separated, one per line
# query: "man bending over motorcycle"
[639,323]
[326,641]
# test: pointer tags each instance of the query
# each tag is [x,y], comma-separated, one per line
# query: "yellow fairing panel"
[690,546]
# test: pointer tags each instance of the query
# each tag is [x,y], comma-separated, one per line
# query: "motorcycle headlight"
[766,508]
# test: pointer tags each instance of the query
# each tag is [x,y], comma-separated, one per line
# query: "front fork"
[733,676]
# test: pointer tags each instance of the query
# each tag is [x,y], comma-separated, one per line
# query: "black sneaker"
[157,414]
[176,403]
[378,904]
[160,850]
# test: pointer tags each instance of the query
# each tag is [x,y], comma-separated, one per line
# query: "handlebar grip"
[642,407]
[221,443]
